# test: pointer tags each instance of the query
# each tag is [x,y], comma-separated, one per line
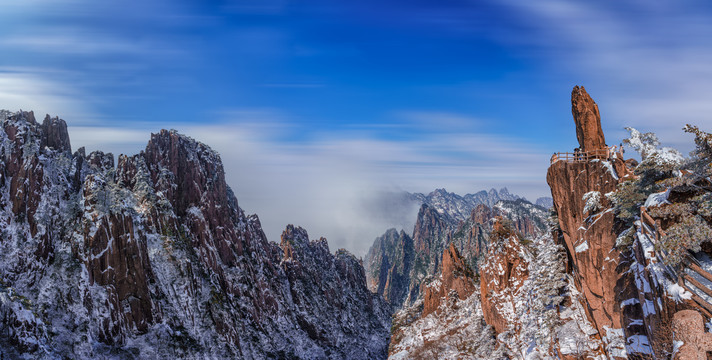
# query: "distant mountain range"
[399,263]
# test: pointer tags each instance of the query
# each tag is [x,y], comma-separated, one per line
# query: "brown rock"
[456,276]
[602,271]
[688,327]
[54,134]
[117,260]
[587,119]
[596,265]
[502,274]
[101,160]
[211,275]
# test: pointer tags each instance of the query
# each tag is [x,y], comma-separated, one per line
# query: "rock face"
[587,119]
[456,332]
[502,274]
[456,276]
[397,267]
[153,258]
[689,328]
[590,237]
[54,133]
[389,261]
[611,293]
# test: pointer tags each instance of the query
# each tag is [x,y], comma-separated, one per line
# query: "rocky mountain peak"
[587,119]
[54,134]
[589,230]
[456,276]
[296,244]
[154,259]
[504,271]
[195,170]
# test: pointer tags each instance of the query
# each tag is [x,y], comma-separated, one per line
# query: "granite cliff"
[153,258]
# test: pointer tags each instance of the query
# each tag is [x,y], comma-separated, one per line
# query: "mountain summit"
[153,258]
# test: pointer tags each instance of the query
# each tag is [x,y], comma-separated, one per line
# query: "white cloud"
[322,184]
[646,64]
[331,184]
[28,91]
[73,42]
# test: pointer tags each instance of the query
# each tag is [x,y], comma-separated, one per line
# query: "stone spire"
[588,120]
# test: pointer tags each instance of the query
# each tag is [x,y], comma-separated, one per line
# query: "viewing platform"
[584,156]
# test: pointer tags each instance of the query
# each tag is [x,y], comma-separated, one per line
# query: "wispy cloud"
[330,183]
[648,63]
[21,89]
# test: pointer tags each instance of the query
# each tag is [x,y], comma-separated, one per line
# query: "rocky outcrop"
[587,119]
[590,237]
[154,258]
[589,231]
[458,331]
[504,271]
[388,264]
[397,266]
[54,133]
[456,276]
[689,329]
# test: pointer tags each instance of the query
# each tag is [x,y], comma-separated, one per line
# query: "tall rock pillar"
[589,228]
[587,119]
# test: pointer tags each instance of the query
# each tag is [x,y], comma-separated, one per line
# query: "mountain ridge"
[153,257]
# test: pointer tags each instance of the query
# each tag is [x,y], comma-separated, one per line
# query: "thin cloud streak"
[650,60]
[326,184]
[27,91]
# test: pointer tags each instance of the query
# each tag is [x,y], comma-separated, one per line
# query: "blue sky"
[318,105]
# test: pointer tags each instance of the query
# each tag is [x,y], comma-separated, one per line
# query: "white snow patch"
[582,247]
[678,293]
[639,344]
[610,168]
[615,344]
[676,345]
[592,201]
[630,301]
[657,199]
[648,307]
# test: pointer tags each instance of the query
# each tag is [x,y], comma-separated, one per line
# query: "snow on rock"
[678,293]
[458,331]
[397,265]
[610,169]
[577,336]
[639,344]
[592,201]
[582,247]
[152,257]
[615,342]
[657,199]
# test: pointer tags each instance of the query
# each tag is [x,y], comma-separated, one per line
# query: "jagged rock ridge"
[399,266]
[154,258]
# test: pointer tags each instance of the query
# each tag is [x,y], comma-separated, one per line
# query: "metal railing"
[584,156]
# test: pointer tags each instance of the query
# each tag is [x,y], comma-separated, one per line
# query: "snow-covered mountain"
[397,264]
[458,208]
[621,271]
[153,258]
